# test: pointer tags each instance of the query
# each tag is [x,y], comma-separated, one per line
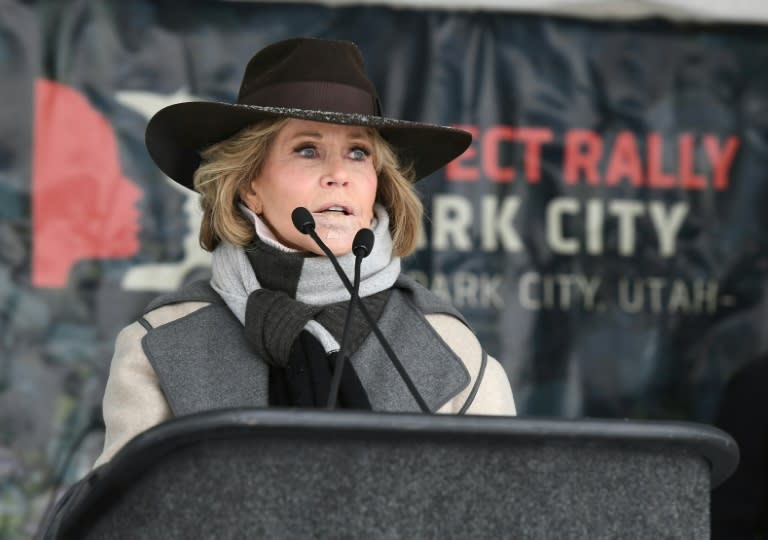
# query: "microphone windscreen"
[362,245]
[302,220]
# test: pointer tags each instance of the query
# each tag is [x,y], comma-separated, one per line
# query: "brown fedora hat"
[305,78]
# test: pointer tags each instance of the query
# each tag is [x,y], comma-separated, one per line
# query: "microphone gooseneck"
[303,221]
[362,246]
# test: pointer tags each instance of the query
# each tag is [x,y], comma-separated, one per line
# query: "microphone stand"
[305,223]
[342,355]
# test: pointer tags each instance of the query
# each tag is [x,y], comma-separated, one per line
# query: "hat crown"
[312,74]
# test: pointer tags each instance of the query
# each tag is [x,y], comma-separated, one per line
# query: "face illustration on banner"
[167,275]
[83,206]
[326,168]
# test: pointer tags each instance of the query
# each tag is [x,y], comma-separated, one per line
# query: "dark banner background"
[604,234]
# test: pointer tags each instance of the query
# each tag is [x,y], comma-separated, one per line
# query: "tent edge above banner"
[689,11]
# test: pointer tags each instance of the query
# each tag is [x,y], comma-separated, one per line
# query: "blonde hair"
[228,167]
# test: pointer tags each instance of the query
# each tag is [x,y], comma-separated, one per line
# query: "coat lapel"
[204,362]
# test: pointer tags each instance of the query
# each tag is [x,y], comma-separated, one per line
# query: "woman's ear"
[252,200]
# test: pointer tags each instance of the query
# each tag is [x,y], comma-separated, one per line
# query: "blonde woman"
[306,132]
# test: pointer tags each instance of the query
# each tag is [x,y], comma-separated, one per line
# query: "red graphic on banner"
[83,207]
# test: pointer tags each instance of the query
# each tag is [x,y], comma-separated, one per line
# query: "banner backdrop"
[604,234]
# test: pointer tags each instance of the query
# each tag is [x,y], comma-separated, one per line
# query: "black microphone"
[362,246]
[303,220]
[305,223]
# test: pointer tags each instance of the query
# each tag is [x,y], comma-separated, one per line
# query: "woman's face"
[326,168]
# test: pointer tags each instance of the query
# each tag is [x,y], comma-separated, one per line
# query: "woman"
[306,131]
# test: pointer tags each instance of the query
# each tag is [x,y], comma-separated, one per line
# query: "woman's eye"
[359,154]
[307,151]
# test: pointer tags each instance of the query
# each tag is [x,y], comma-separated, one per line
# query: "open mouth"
[336,210]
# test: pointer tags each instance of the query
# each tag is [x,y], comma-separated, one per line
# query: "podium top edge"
[711,443]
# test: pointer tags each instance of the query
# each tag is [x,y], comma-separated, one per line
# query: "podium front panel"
[394,480]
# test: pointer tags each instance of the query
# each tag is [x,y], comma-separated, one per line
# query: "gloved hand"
[273,321]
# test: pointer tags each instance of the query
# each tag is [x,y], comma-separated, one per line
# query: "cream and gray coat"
[188,354]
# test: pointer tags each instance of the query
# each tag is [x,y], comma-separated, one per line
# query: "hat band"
[314,95]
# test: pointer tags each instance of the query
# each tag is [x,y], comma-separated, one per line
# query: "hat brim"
[177,134]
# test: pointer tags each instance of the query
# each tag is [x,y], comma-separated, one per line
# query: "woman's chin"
[339,247]
[338,238]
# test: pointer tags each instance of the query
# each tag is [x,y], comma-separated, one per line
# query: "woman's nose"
[336,173]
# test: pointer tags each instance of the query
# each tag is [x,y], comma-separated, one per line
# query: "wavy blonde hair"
[228,167]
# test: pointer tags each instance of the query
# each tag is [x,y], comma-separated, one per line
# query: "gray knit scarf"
[234,280]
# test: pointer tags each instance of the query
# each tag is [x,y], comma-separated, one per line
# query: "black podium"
[267,473]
